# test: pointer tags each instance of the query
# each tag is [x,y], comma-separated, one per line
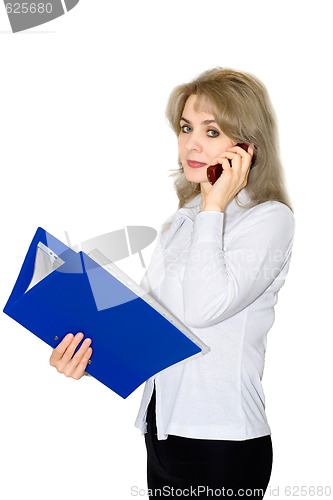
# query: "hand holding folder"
[133,337]
[67,361]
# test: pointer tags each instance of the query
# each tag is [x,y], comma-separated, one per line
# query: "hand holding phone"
[215,171]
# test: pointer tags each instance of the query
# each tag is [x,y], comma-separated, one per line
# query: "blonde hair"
[243,111]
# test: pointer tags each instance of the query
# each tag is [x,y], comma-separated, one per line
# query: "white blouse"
[219,274]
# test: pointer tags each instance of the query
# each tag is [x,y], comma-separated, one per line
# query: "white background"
[85,148]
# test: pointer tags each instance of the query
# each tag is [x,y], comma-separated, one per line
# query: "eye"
[185,129]
[213,133]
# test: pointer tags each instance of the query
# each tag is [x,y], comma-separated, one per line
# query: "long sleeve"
[220,274]
[223,277]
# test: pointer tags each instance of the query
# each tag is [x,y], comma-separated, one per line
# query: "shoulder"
[273,223]
[272,212]
[243,213]
[279,213]
[268,223]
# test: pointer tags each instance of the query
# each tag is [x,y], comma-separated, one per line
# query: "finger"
[242,152]
[226,170]
[59,350]
[67,355]
[69,367]
[250,149]
[63,353]
[236,160]
[82,365]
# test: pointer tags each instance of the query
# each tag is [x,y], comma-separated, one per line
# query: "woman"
[218,265]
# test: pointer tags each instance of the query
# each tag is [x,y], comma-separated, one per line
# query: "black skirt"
[182,467]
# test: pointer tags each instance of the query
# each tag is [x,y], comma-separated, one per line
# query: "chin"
[195,176]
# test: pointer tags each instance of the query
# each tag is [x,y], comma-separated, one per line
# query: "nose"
[193,142]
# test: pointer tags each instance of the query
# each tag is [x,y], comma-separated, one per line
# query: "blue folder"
[133,336]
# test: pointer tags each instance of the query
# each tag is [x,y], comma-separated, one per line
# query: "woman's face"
[200,140]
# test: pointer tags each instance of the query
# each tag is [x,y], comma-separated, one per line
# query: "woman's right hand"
[62,356]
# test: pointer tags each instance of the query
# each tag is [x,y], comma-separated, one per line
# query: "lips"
[196,164]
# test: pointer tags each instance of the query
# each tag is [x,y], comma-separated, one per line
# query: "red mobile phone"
[215,171]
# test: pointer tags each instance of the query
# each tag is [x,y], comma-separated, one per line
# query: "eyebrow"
[205,122]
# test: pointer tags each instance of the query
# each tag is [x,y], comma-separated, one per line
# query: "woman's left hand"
[232,180]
